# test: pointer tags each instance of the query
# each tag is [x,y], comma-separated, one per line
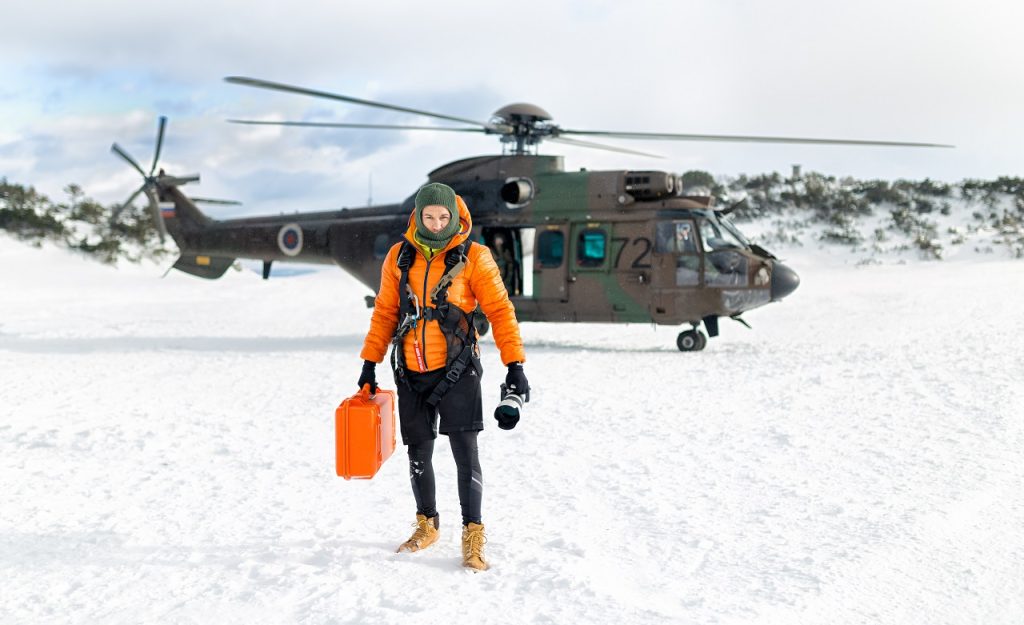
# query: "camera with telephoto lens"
[507,412]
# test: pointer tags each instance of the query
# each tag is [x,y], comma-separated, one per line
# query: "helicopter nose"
[784,281]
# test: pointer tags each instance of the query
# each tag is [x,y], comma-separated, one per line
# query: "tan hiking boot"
[473,540]
[426,534]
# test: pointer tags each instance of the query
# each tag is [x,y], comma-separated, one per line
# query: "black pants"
[461,418]
[467,462]
[460,410]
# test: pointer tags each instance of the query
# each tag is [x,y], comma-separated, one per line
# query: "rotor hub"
[526,124]
[521,113]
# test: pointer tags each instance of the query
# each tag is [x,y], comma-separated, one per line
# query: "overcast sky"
[75,77]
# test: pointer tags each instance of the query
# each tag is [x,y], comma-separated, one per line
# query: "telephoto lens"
[507,412]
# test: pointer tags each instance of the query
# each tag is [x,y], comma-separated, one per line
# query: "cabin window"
[381,245]
[591,248]
[551,248]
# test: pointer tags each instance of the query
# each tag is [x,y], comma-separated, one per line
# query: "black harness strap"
[456,325]
[406,305]
[461,339]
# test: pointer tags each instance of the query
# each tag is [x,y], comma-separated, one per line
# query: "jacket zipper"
[426,297]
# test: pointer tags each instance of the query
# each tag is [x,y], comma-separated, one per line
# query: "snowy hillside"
[166,448]
[878,221]
[862,221]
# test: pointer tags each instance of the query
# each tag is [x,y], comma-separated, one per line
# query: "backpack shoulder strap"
[406,254]
[454,263]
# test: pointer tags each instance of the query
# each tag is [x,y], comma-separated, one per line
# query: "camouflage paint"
[633,284]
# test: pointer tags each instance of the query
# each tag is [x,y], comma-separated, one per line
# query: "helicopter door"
[550,267]
[589,283]
[676,248]
[677,268]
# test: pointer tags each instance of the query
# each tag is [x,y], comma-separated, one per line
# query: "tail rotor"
[151,183]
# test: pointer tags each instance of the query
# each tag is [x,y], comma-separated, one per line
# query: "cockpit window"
[675,237]
[725,268]
[731,227]
[717,237]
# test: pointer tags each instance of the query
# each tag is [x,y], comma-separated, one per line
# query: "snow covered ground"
[166,448]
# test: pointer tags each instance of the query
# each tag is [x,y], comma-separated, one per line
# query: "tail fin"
[181,217]
[180,213]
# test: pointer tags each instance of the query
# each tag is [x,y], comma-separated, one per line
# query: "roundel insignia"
[289,239]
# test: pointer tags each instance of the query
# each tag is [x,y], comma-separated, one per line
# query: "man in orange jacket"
[436,357]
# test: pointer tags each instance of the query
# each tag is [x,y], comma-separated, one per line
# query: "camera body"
[510,407]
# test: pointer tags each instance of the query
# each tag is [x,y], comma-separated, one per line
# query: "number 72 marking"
[638,263]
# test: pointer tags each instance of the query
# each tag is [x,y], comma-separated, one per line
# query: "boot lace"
[420,534]
[474,543]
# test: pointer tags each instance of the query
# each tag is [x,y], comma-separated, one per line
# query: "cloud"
[877,70]
[276,185]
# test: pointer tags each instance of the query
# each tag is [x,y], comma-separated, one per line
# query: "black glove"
[516,381]
[514,392]
[369,376]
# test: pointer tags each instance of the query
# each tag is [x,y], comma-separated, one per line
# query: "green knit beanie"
[438,194]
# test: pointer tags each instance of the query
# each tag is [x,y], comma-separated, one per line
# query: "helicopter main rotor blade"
[177,181]
[340,125]
[116,149]
[159,143]
[117,211]
[266,84]
[747,139]
[599,146]
[208,200]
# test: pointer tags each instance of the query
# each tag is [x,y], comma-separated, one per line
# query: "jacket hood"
[465,226]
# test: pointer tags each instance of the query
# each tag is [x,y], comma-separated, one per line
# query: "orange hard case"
[364,433]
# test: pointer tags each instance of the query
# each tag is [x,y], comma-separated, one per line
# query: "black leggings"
[467,461]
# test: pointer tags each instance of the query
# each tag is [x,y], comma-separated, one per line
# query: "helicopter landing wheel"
[691,341]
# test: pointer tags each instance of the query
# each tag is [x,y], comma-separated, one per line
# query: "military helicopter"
[586,246]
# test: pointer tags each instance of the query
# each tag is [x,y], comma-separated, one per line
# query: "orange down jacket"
[479,283]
